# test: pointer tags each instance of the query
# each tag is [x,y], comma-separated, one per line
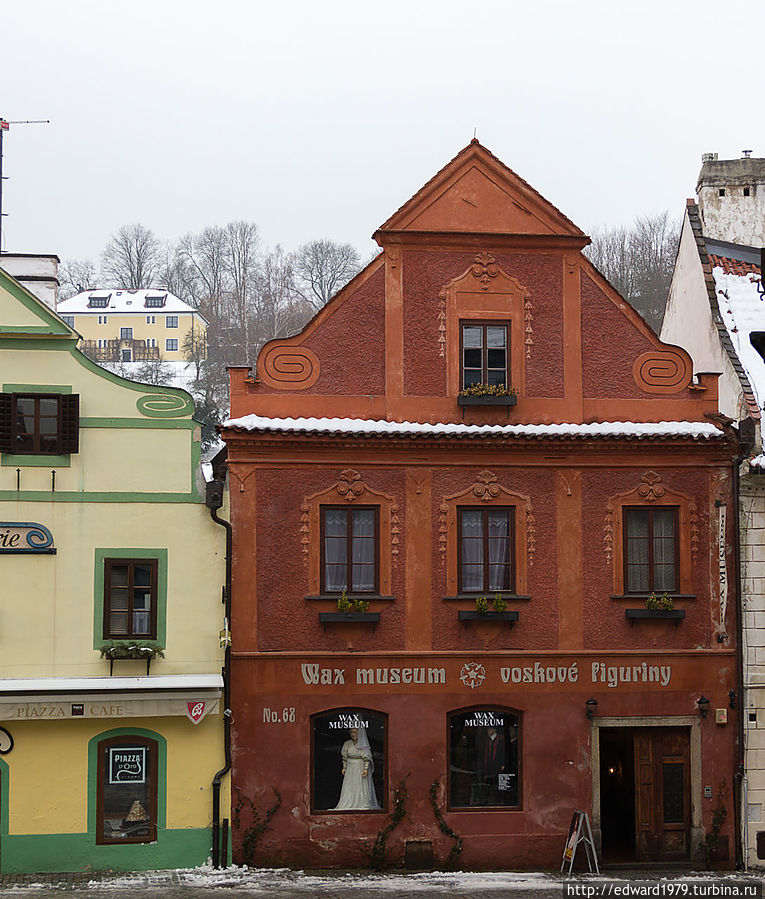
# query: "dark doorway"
[617,794]
[645,785]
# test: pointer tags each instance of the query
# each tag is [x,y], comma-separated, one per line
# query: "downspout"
[746,440]
[214,501]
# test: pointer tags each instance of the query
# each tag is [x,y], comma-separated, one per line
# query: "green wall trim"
[56,852]
[178,423]
[165,405]
[98,592]
[28,329]
[46,496]
[29,301]
[37,388]
[61,852]
[19,460]
[18,340]
[161,773]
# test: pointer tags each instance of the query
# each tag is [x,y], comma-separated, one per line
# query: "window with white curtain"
[486,537]
[350,556]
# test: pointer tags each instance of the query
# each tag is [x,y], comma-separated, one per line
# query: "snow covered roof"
[370,427]
[115,301]
[741,300]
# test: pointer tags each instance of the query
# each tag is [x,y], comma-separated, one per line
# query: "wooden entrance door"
[662,793]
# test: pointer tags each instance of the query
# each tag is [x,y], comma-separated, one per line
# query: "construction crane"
[5,125]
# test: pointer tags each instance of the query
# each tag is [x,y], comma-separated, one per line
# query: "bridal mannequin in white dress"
[358,790]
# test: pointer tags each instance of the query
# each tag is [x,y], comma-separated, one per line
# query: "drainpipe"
[746,440]
[214,501]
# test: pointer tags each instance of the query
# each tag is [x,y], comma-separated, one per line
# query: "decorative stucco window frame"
[350,488]
[651,492]
[487,491]
[484,292]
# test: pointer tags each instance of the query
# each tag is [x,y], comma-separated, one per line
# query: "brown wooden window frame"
[484,323]
[626,510]
[130,635]
[67,424]
[348,510]
[511,510]
[128,741]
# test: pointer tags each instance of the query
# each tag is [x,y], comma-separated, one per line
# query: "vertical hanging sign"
[722,562]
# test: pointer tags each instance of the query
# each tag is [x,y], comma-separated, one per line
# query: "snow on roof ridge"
[124,299]
[372,426]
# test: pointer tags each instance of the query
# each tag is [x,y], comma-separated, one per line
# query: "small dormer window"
[156,302]
[98,302]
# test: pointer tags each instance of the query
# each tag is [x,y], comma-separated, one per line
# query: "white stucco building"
[716,311]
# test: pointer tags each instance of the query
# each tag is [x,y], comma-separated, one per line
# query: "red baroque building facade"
[514,601]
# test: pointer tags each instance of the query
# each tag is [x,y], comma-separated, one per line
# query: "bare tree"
[322,267]
[153,371]
[76,275]
[203,259]
[279,310]
[638,261]
[195,349]
[241,266]
[132,258]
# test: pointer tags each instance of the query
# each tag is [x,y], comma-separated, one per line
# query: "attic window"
[757,339]
[721,192]
[746,191]
[98,302]
[155,302]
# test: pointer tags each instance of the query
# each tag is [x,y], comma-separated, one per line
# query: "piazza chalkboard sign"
[127,764]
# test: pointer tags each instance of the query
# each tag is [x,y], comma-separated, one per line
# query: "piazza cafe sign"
[25,537]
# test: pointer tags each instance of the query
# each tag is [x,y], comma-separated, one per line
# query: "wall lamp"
[592,706]
[703,703]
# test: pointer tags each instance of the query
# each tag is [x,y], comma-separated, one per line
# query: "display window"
[484,759]
[127,791]
[349,764]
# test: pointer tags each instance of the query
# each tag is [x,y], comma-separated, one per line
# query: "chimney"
[731,196]
[37,272]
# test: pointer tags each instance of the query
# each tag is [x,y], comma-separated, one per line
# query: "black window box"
[471,615]
[674,614]
[326,618]
[489,400]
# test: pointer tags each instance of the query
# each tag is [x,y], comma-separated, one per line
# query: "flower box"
[489,400]
[472,615]
[675,614]
[326,618]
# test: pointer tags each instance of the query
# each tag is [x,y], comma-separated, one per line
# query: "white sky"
[318,119]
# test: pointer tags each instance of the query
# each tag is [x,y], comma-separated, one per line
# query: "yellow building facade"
[111,613]
[135,325]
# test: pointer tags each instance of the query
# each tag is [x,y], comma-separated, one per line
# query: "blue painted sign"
[25,537]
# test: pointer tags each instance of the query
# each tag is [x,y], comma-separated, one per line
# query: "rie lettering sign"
[25,537]
[127,765]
